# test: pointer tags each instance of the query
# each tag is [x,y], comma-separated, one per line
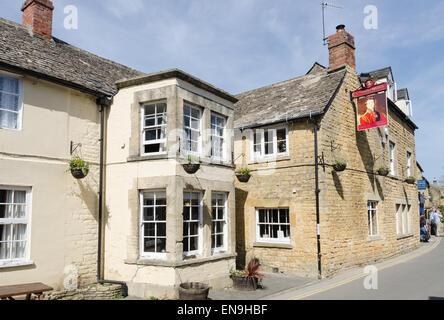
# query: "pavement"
[417,275]
[272,284]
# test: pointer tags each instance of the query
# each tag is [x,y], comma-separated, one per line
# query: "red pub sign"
[372,106]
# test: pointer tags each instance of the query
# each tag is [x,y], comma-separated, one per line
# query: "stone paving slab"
[272,284]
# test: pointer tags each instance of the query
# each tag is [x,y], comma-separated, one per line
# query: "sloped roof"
[288,100]
[379,74]
[21,50]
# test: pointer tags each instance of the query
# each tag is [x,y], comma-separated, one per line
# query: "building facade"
[283,132]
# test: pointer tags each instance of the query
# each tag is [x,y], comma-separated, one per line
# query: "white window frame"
[409,164]
[20,100]
[223,137]
[200,226]
[261,133]
[6,263]
[392,158]
[370,212]
[224,196]
[142,253]
[272,240]
[143,141]
[403,219]
[199,142]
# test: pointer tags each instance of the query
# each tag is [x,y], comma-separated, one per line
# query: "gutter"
[103,102]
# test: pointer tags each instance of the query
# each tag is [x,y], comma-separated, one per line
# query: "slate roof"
[379,74]
[288,100]
[25,52]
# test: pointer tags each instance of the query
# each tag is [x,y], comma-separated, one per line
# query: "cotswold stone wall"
[344,196]
[91,292]
[290,183]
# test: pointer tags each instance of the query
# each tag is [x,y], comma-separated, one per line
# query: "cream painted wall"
[63,214]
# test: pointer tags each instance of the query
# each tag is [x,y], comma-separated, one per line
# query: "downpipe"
[103,102]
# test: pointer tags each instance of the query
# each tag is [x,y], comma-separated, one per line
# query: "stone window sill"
[375,238]
[269,160]
[404,236]
[272,245]
[173,264]
[147,158]
[15,264]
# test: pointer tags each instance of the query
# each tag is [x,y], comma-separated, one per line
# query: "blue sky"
[239,45]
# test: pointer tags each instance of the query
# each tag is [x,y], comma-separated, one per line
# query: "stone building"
[138,218]
[297,214]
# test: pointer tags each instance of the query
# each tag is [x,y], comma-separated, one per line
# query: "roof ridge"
[292,79]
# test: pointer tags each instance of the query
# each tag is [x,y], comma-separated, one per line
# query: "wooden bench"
[29,289]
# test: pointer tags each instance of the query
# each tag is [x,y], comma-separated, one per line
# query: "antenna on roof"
[327,5]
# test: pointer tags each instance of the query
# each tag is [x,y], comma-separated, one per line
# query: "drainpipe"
[318,218]
[103,102]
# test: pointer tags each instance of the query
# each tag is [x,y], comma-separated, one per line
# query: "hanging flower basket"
[340,166]
[383,172]
[79,168]
[192,166]
[410,180]
[193,291]
[243,175]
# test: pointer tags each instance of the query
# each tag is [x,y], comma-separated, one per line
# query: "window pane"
[186,247]
[149,229]
[150,122]
[195,213]
[161,214]
[262,215]
[4,250]
[148,214]
[18,250]
[9,84]
[153,148]
[195,113]
[150,110]
[149,245]
[220,240]
[186,229]
[19,231]
[281,134]
[194,228]
[151,135]
[186,213]
[161,229]
[269,148]
[161,108]
[161,245]
[194,243]
[9,102]
[160,198]
[8,119]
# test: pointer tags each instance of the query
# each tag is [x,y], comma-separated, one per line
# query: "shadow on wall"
[89,197]
[241,198]
[338,184]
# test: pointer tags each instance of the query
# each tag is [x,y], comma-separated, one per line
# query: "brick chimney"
[37,14]
[341,47]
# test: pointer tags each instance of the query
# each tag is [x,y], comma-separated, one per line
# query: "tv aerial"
[324,6]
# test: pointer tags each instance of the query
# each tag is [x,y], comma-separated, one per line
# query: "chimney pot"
[37,14]
[340,27]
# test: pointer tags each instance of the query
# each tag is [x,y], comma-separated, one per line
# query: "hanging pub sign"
[372,105]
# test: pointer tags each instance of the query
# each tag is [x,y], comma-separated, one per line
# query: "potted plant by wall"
[383,171]
[192,165]
[193,291]
[248,279]
[79,168]
[243,175]
[410,180]
[340,165]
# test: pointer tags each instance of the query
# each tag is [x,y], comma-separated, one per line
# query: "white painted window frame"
[200,225]
[373,211]
[223,137]
[142,253]
[272,240]
[143,141]
[224,195]
[409,164]
[199,142]
[20,100]
[261,133]
[392,158]
[26,220]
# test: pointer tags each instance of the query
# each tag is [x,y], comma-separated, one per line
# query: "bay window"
[11,101]
[192,129]
[192,222]
[154,128]
[14,225]
[153,224]
[273,225]
[270,143]
[218,125]
[219,225]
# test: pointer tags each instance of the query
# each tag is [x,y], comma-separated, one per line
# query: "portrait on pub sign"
[372,111]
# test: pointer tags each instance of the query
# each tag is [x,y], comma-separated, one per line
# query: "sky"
[239,45]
